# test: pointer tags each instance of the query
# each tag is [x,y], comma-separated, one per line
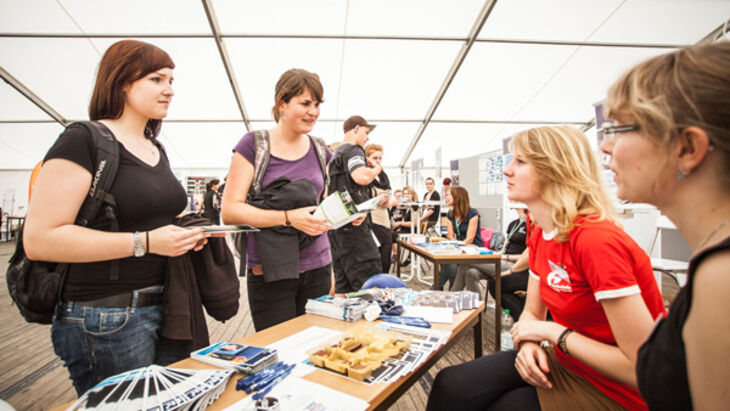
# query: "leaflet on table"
[293,349]
[156,387]
[298,394]
[241,357]
[218,229]
[339,209]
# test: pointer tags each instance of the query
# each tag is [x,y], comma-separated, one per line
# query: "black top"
[461,227]
[516,241]
[661,368]
[147,197]
[348,158]
[436,210]
[211,206]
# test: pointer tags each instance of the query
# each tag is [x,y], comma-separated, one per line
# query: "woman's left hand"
[201,243]
[536,331]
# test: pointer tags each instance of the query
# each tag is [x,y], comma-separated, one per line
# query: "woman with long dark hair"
[104,326]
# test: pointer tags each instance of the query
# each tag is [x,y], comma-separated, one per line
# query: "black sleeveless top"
[661,368]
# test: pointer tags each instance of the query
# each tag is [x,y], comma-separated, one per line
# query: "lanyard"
[514,229]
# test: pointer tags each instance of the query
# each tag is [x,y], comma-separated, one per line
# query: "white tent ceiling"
[460,75]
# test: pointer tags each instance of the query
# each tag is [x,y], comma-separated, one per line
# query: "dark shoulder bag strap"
[107,164]
[261,161]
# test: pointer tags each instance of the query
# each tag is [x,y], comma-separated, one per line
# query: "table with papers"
[459,258]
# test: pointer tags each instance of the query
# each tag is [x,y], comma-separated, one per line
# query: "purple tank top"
[318,253]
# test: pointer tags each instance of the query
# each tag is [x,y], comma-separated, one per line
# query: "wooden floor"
[33,378]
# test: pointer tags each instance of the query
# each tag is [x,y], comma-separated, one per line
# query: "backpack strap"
[100,198]
[321,148]
[262,145]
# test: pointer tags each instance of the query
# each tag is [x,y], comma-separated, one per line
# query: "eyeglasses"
[610,129]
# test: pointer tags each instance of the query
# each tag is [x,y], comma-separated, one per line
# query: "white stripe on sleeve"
[621,292]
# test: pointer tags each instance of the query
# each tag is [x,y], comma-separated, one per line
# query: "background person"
[670,146]
[131,96]
[380,215]
[354,252]
[211,205]
[298,95]
[514,276]
[431,214]
[464,225]
[596,281]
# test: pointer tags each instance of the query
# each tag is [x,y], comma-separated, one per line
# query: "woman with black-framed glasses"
[674,152]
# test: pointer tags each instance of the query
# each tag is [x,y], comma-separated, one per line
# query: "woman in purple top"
[293,155]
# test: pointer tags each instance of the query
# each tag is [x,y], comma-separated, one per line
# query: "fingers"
[527,365]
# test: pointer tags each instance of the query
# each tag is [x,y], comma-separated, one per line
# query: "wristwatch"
[138,246]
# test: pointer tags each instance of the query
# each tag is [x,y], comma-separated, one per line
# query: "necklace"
[144,147]
[715,230]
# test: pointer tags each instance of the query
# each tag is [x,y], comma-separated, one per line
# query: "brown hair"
[668,93]
[123,63]
[371,148]
[212,183]
[410,189]
[293,83]
[461,206]
[566,175]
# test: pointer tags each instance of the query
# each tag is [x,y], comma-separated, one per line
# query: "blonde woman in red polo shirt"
[596,281]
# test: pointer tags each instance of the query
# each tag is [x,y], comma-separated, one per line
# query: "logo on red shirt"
[558,278]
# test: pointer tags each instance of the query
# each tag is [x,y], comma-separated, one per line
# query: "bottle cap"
[506,310]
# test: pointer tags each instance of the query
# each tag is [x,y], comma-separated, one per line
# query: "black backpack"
[36,286]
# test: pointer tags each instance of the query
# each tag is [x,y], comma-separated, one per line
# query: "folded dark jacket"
[197,279]
[279,246]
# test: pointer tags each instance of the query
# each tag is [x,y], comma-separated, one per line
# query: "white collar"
[549,236]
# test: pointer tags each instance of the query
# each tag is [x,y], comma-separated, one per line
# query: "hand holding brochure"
[339,209]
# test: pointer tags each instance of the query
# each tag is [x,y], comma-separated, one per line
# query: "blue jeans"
[98,342]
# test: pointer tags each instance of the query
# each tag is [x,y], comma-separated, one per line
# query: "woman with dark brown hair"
[104,326]
[277,295]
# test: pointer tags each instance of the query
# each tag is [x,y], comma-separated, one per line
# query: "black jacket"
[279,246]
[196,279]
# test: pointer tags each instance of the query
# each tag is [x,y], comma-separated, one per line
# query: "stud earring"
[681,175]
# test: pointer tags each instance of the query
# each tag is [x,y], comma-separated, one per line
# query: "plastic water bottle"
[505,337]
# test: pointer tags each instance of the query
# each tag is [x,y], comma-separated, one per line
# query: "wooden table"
[380,396]
[438,259]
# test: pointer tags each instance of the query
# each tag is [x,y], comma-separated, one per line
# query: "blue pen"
[269,386]
[278,374]
[247,382]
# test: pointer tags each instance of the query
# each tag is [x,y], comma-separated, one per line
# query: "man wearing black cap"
[355,256]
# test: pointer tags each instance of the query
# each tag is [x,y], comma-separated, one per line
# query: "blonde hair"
[371,148]
[414,195]
[668,93]
[567,176]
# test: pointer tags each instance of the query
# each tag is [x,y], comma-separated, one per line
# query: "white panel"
[59,71]
[393,79]
[664,21]
[281,17]
[34,16]
[583,82]
[632,21]
[139,16]
[432,18]
[202,90]
[565,20]
[22,146]
[258,63]
[497,79]
[14,106]
[201,144]
[459,140]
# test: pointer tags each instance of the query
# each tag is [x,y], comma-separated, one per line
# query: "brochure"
[243,358]
[339,209]
[224,229]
